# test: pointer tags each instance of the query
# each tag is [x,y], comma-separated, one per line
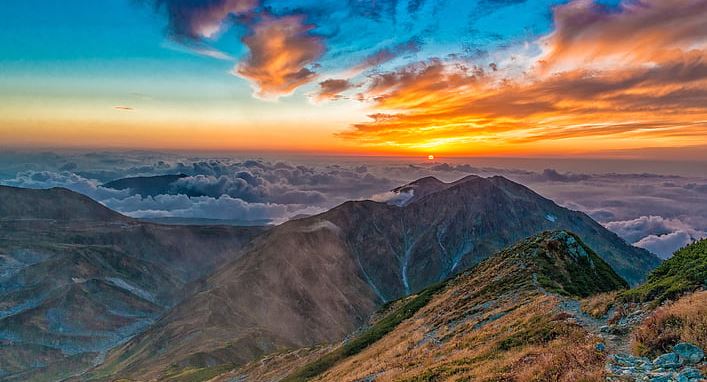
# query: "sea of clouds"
[657,212]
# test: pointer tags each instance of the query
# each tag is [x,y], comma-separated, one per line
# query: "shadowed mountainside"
[316,279]
[77,279]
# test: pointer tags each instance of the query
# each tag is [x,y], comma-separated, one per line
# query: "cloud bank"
[658,212]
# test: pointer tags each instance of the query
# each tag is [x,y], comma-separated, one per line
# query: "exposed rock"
[668,367]
[690,374]
[689,353]
[668,361]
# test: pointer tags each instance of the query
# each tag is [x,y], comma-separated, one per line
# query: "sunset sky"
[471,77]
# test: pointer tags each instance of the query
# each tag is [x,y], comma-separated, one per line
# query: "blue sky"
[120,43]
[333,76]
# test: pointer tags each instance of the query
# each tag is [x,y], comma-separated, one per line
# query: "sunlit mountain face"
[422,77]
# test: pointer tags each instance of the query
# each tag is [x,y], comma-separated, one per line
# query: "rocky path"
[680,365]
[614,341]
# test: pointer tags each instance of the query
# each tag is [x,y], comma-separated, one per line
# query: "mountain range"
[194,297]
[315,280]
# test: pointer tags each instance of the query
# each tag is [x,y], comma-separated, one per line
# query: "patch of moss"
[368,337]
[686,271]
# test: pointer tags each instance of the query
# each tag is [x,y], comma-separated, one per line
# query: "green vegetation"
[368,337]
[686,271]
[572,278]
[192,374]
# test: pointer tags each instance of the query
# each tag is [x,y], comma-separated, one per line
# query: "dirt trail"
[615,343]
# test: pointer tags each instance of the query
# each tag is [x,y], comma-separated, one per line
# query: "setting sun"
[431,157]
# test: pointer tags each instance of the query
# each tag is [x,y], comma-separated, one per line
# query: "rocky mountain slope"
[517,317]
[77,279]
[314,280]
[503,320]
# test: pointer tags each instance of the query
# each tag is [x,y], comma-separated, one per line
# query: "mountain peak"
[429,185]
[52,204]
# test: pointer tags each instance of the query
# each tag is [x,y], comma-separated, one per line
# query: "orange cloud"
[280,51]
[603,73]
[638,32]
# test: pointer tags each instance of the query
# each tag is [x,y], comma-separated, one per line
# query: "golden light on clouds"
[587,90]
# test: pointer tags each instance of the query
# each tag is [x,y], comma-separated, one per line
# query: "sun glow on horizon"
[286,83]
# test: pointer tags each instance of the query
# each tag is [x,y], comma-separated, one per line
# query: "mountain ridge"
[314,280]
[56,203]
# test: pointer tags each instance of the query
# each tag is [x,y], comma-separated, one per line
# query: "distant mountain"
[316,279]
[57,204]
[146,185]
[77,279]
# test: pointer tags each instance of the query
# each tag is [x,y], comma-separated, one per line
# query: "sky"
[581,78]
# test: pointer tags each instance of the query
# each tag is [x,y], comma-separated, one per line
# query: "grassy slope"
[368,337]
[552,256]
[686,271]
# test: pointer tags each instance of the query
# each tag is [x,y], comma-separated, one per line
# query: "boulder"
[690,374]
[689,353]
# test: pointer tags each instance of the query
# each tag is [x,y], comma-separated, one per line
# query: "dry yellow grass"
[598,305]
[529,343]
[496,323]
[682,320]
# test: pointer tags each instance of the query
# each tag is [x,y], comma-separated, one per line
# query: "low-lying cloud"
[658,212]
